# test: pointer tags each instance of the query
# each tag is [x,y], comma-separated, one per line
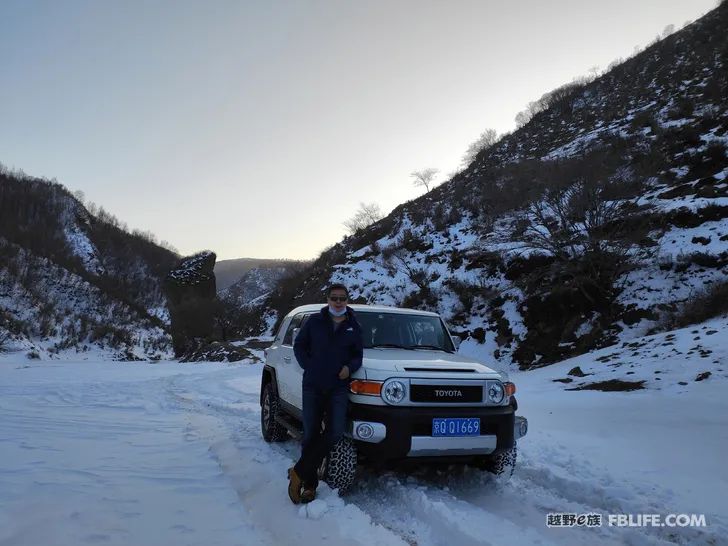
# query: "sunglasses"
[338,298]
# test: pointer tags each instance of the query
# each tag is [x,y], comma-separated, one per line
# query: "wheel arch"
[269,376]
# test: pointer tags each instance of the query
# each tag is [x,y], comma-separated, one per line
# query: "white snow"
[168,453]
[81,246]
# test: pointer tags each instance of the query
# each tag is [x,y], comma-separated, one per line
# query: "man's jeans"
[317,443]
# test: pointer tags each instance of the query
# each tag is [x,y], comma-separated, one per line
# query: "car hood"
[423,361]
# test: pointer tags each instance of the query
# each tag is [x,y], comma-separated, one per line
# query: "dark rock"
[632,315]
[611,385]
[701,376]
[257,344]
[576,372]
[218,352]
[700,240]
[192,299]
[478,334]
[687,218]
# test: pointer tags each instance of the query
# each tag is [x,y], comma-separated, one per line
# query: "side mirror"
[295,333]
[457,341]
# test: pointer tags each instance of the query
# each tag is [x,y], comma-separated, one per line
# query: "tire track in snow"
[424,520]
[257,472]
[423,515]
[428,508]
[432,517]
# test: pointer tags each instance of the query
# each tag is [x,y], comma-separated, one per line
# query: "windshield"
[405,331]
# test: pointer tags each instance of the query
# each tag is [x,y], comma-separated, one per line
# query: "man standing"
[329,348]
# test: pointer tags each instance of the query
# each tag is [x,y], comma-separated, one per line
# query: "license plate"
[456,426]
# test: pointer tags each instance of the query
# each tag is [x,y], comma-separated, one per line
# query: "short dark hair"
[337,286]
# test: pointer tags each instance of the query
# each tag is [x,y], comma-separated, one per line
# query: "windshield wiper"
[387,345]
[436,347]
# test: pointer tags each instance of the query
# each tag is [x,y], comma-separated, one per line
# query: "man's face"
[337,299]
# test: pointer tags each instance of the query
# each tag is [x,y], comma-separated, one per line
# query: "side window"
[295,323]
[304,320]
[279,333]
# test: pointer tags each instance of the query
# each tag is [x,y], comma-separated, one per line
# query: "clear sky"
[256,128]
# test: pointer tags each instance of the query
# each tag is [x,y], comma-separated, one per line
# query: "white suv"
[413,397]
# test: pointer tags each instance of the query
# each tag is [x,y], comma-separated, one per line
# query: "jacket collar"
[327,316]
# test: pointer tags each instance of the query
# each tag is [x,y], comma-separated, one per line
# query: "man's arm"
[357,353]
[302,345]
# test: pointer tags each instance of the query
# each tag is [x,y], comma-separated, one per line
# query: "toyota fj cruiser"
[413,397]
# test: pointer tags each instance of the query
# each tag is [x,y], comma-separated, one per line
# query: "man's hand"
[344,372]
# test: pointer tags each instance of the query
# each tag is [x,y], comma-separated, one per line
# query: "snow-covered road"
[168,453]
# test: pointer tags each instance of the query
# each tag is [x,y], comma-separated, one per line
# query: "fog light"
[364,431]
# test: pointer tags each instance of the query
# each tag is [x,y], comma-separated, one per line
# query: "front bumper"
[398,433]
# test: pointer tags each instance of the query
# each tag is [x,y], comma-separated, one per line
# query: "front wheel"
[272,430]
[500,463]
[338,469]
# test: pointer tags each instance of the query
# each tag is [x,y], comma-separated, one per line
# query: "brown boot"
[309,493]
[294,486]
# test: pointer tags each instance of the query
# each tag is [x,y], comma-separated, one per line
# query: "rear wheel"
[338,469]
[272,430]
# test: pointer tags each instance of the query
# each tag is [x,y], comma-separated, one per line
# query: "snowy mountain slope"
[79,280]
[76,458]
[253,284]
[591,224]
[229,272]
[51,312]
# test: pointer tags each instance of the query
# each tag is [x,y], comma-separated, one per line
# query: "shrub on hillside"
[709,303]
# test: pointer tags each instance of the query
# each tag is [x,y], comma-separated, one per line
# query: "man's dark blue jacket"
[322,351]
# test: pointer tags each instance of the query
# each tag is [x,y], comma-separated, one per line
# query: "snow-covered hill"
[167,453]
[71,280]
[229,272]
[594,223]
[253,284]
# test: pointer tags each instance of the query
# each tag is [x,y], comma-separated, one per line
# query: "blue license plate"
[456,426]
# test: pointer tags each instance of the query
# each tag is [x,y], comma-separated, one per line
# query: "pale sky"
[255,128]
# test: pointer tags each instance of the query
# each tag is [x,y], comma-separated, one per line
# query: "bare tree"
[424,177]
[586,234]
[486,139]
[572,221]
[80,196]
[365,216]
[547,100]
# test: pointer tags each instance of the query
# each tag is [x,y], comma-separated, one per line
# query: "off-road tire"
[272,430]
[500,463]
[338,469]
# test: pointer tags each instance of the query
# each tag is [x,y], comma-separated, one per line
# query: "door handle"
[286,358]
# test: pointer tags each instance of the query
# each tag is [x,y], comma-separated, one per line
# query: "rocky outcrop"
[191,298]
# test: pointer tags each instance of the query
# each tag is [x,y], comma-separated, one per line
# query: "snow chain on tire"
[502,463]
[339,467]
[272,430]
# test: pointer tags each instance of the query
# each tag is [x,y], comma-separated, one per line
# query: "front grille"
[446,393]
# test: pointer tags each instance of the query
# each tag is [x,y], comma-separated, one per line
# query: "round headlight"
[394,392]
[496,393]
